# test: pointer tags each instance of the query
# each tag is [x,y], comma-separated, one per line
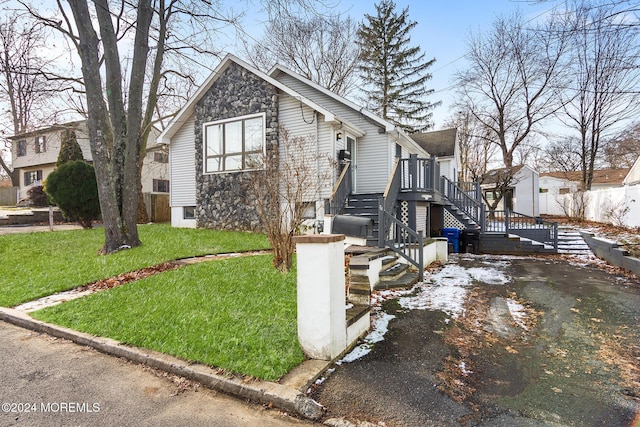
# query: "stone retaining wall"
[611,252]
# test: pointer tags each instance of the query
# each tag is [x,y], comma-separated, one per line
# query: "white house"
[553,185]
[522,196]
[236,114]
[633,176]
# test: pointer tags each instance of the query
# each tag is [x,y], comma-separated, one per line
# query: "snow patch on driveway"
[447,289]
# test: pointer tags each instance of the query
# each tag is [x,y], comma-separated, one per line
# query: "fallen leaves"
[121,279]
[511,350]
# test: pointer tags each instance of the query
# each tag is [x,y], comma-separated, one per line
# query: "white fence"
[608,205]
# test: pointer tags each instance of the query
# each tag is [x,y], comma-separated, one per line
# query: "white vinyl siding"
[182,158]
[303,122]
[373,151]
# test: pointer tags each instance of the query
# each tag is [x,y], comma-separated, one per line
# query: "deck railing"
[392,233]
[334,205]
[420,174]
[505,221]
[401,239]
[466,198]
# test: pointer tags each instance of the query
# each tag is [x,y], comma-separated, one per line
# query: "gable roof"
[441,143]
[186,111]
[633,177]
[387,125]
[602,176]
[52,128]
[495,176]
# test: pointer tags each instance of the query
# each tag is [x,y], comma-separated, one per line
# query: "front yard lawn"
[39,264]
[238,314]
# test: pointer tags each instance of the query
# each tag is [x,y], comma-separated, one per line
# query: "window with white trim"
[234,145]
[189,212]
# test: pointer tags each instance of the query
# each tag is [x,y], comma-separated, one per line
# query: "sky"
[442,31]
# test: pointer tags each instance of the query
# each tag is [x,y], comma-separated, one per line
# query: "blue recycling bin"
[453,236]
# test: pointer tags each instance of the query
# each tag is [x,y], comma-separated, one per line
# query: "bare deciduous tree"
[322,49]
[23,85]
[623,149]
[562,155]
[285,187]
[477,151]
[510,86]
[123,49]
[604,88]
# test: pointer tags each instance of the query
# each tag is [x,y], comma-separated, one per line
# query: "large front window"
[234,145]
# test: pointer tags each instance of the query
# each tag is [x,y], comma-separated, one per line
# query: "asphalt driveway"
[502,341]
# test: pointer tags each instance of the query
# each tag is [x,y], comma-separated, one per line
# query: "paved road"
[61,383]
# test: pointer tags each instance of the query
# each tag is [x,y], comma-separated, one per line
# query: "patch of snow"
[491,276]
[517,312]
[448,288]
[463,368]
[380,327]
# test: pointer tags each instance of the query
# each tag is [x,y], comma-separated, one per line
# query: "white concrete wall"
[178,220]
[322,325]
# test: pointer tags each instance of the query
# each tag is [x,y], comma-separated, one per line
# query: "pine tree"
[69,148]
[395,73]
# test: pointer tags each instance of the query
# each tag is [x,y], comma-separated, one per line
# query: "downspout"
[319,196]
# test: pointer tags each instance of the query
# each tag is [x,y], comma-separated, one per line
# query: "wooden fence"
[8,196]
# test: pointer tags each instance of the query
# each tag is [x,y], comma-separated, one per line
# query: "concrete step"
[571,242]
[409,279]
[394,272]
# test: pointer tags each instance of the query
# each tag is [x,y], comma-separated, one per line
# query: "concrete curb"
[612,253]
[268,393]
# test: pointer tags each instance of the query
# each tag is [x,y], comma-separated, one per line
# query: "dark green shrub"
[37,196]
[72,187]
[69,148]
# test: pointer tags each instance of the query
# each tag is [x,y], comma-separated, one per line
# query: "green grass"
[39,264]
[238,314]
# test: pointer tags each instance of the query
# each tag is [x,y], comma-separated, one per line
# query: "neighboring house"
[522,196]
[444,145]
[633,177]
[555,184]
[209,168]
[34,155]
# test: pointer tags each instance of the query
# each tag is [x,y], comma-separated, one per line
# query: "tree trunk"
[114,136]
[13,174]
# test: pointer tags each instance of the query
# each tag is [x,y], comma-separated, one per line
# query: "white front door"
[351,148]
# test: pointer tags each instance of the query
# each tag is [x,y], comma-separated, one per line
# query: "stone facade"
[223,201]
